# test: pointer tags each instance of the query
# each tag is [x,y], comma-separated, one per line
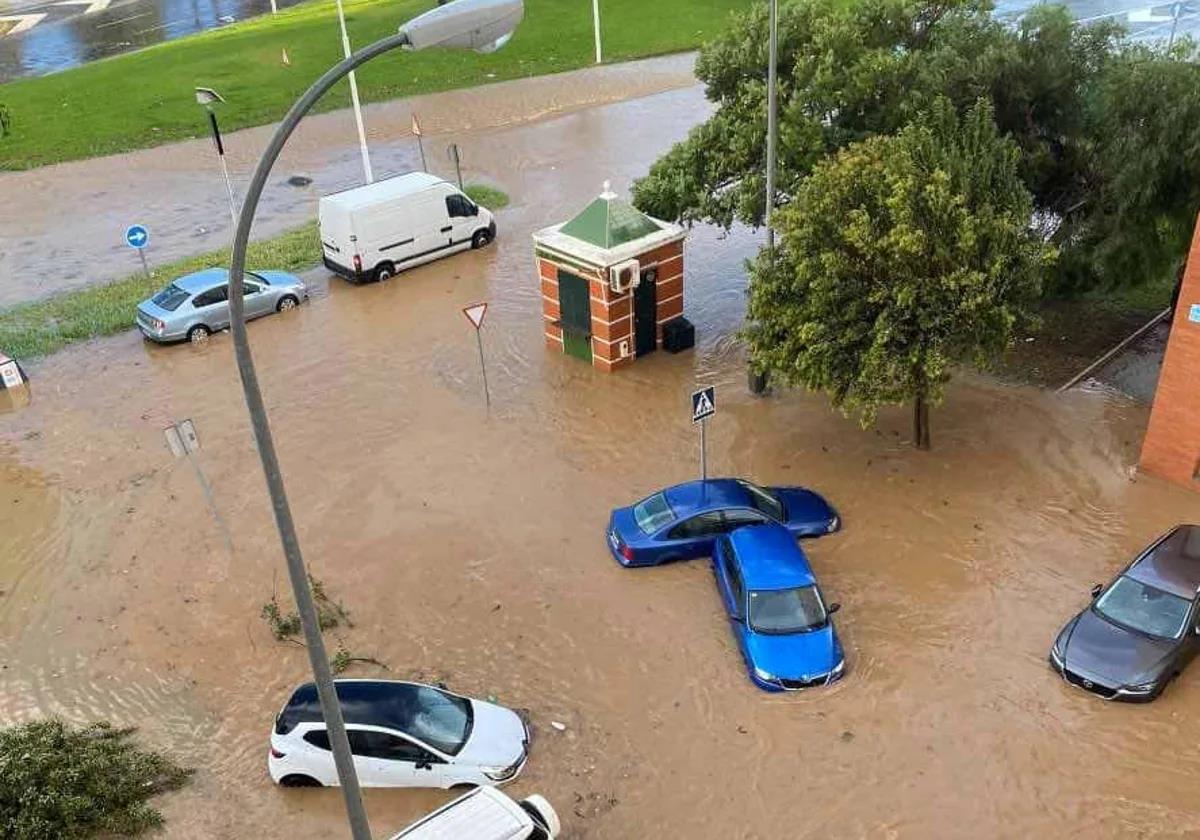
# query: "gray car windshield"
[169,298]
[441,720]
[653,513]
[777,611]
[1135,605]
[764,500]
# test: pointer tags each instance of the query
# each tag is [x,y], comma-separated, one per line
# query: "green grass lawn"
[145,98]
[42,327]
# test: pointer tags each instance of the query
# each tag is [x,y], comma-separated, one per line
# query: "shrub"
[67,783]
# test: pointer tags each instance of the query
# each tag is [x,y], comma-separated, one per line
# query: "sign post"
[416,130]
[137,237]
[475,313]
[452,151]
[183,443]
[704,405]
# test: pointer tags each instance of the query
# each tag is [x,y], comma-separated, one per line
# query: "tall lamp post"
[368,175]
[482,25]
[758,379]
[209,97]
[596,27]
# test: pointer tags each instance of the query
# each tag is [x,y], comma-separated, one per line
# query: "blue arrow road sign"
[136,236]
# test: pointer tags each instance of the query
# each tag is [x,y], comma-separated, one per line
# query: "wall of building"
[1171,449]
[668,260]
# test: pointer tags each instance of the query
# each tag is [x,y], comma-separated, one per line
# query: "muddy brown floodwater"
[469,547]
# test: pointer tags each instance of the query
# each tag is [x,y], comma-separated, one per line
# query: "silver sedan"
[197,305]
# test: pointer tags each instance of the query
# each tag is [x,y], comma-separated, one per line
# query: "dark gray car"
[1142,629]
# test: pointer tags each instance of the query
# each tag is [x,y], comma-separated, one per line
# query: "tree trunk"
[921,437]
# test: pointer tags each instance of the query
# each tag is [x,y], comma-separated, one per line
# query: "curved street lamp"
[481,25]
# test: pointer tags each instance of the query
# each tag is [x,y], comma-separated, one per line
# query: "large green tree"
[1107,131]
[899,257]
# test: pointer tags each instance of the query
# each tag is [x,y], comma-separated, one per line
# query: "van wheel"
[199,334]
[480,239]
[298,780]
[384,271]
[286,302]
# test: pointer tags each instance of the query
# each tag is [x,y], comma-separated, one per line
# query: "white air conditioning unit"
[624,276]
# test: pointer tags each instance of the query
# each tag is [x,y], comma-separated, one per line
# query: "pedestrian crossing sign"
[704,403]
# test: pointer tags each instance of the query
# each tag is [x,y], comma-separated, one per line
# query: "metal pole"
[457,163]
[421,147]
[229,190]
[219,143]
[486,394]
[212,502]
[757,380]
[297,573]
[596,26]
[142,257]
[703,450]
[274,8]
[1177,8]
[368,175]
[772,118]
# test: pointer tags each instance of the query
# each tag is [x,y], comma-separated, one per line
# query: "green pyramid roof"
[609,222]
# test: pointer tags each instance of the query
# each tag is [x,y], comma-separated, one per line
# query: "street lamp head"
[480,25]
[207,96]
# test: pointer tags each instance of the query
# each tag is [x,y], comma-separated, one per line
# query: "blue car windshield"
[653,513]
[779,611]
[1135,605]
[170,298]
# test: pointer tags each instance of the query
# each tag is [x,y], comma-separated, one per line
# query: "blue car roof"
[713,494]
[770,557]
[200,280]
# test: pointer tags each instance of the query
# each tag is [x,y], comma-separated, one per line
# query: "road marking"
[93,6]
[16,24]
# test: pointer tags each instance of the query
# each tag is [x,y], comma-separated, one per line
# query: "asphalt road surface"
[43,36]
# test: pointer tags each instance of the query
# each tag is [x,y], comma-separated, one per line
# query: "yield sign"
[475,314]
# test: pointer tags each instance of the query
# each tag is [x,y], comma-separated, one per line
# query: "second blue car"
[681,522]
[779,617]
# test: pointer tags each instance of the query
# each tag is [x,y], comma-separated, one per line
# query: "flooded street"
[176,190]
[469,548]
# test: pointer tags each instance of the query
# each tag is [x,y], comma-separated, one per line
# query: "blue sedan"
[682,522]
[779,617]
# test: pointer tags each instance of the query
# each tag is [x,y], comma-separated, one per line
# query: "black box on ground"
[678,335]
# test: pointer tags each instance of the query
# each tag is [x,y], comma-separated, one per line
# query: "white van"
[374,231]
[487,814]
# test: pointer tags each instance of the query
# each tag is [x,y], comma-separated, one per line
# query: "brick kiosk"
[1171,449]
[611,277]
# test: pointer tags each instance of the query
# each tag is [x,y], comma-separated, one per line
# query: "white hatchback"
[402,734]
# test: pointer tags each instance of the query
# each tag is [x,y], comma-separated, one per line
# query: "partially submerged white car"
[402,734]
[487,814]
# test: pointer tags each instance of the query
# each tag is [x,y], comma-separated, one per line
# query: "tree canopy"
[900,256]
[1106,130]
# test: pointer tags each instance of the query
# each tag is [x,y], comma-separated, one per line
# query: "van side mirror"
[834,607]
[1097,589]
[474,209]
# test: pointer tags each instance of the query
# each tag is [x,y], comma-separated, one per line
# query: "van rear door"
[336,234]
